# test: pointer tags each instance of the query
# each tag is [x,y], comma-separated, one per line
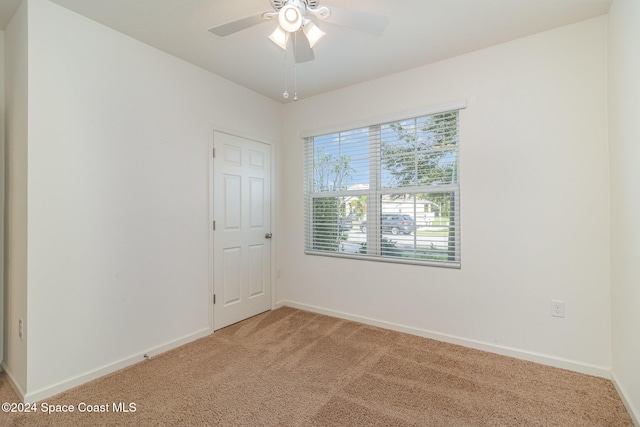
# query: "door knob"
[267,236]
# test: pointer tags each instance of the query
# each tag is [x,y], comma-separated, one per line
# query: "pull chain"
[295,81]
[285,95]
[295,70]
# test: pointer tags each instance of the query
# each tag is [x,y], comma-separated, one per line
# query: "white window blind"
[387,192]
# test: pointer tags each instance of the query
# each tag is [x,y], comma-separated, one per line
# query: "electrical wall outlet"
[557,308]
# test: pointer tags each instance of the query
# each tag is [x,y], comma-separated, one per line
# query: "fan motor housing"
[279,4]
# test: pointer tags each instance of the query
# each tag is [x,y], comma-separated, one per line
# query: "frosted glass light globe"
[290,18]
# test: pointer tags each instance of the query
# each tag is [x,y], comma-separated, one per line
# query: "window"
[388,191]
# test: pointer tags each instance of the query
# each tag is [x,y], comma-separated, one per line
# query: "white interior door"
[241,239]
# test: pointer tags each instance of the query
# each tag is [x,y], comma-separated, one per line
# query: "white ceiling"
[420,32]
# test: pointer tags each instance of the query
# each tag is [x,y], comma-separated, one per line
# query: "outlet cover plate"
[557,308]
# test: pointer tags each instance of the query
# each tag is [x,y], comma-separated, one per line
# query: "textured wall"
[624,137]
[534,202]
[119,194]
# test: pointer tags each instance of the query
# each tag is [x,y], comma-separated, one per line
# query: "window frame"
[375,190]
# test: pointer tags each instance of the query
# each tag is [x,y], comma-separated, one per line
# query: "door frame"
[211,198]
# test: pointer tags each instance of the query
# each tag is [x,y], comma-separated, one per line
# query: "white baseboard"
[12,381]
[633,411]
[598,371]
[46,392]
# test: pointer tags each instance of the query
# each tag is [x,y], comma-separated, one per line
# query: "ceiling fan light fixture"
[313,33]
[290,18]
[280,37]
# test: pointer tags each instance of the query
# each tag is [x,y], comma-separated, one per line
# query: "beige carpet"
[294,368]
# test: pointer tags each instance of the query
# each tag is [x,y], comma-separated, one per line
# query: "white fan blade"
[358,20]
[301,49]
[223,30]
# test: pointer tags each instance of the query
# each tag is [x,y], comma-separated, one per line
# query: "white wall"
[118,199]
[15,227]
[535,203]
[624,137]
[2,310]
[118,192]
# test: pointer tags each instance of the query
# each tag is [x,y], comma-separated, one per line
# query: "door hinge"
[214,153]
[214,226]
[214,298]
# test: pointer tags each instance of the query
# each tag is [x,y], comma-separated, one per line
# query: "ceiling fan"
[296,22]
